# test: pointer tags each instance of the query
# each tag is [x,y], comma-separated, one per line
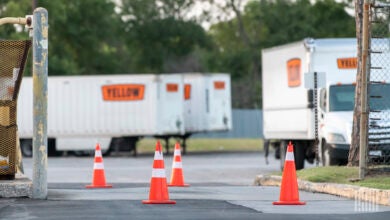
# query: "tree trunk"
[254,53]
[353,158]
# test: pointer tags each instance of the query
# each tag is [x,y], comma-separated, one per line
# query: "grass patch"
[198,144]
[329,174]
[343,175]
[378,182]
[147,145]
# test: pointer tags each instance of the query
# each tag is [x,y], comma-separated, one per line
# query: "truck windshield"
[341,97]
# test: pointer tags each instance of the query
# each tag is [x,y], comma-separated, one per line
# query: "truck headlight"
[336,138]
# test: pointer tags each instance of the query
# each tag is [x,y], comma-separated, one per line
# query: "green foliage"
[158,33]
[157,41]
[83,37]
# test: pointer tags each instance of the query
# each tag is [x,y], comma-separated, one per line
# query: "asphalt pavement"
[194,202]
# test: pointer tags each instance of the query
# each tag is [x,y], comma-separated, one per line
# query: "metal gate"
[378,87]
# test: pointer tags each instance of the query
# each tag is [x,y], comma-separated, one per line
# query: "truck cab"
[336,108]
[336,104]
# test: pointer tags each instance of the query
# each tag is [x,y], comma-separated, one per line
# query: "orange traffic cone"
[177,178]
[99,178]
[158,193]
[289,194]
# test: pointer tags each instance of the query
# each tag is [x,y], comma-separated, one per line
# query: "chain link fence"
[378,152]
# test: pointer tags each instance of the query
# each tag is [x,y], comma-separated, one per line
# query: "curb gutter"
[377,196]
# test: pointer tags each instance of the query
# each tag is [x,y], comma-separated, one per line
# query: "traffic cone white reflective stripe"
[158,193]
[177,152]
[99,177]
[158,155]
[177,177]
[98,153]
[177,165]
[158,173]
[98,166]
[289,156]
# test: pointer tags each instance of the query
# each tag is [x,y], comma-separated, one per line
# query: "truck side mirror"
[310,98]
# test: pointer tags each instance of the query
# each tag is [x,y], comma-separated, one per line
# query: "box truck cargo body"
[112,110]
[207,103]
[289,104]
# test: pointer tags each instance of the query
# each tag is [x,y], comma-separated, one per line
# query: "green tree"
[159,36]
[84,37]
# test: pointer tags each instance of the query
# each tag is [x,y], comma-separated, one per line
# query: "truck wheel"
[26,148]
[326,158]
[106,152]
[299,155]
[80,153]
[51,148]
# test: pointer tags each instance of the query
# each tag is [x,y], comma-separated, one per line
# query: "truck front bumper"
[376,154]
[339,151]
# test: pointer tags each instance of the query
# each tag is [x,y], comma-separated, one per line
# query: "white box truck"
[289,107]
[114,110]
[207,103]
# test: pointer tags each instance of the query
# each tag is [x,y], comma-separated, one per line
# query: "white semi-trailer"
[207,103]
[114,110]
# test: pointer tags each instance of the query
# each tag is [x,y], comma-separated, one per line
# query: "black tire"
[52,150]
[299,155]
[106,152]
[123,144]
[80,153]
[326,157]
[26,148]
[87,153]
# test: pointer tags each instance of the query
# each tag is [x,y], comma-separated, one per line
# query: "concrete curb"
[21,186]
[377,196]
